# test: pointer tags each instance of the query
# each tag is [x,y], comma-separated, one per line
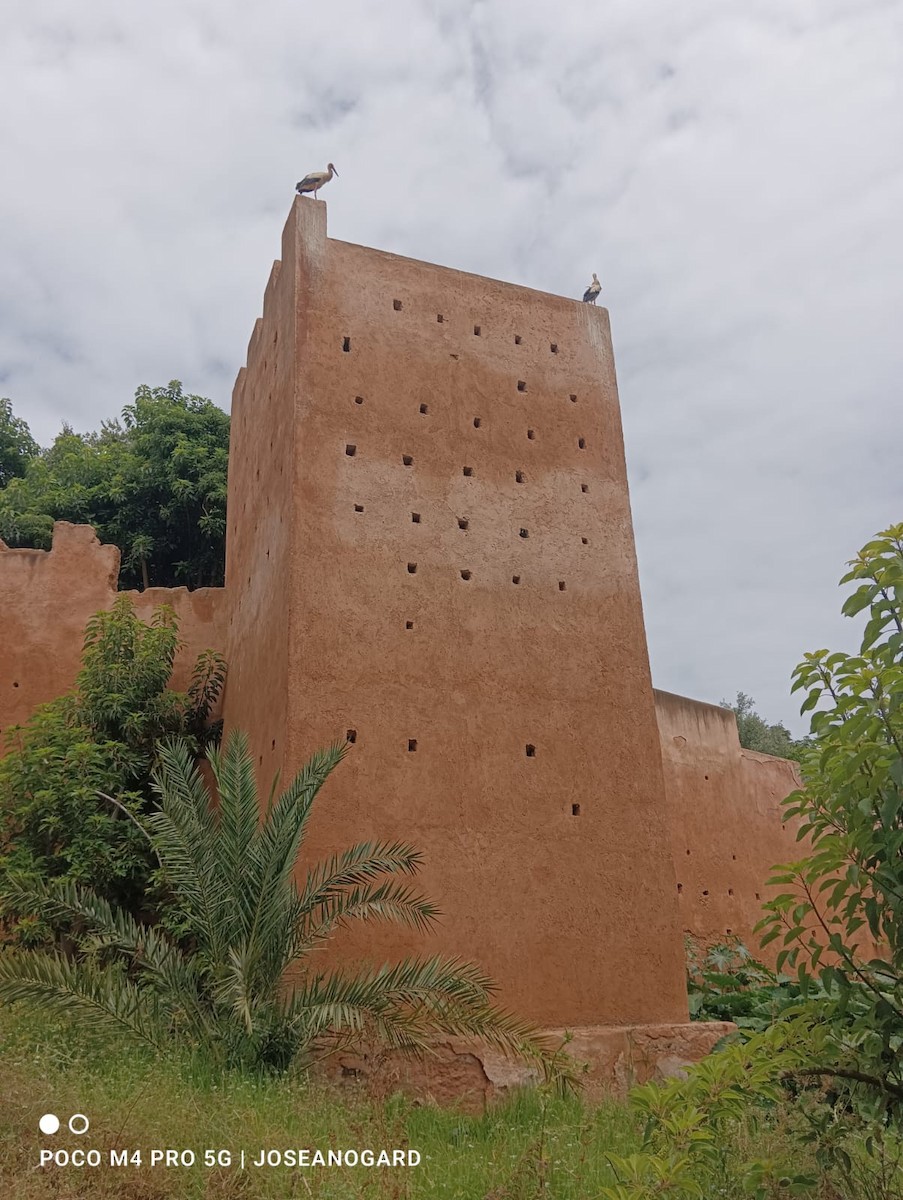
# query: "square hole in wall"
[573,398]
[517,339]
[424,408]
[358,399]
[346,344]
[463,522]
[477,422]
[465,575]
[477,331]
[412,568]
[396,304]
[584,487]
[409,624]
[680,887]
[521,385]
[562,586]
[351,451]
[531,434]
[415,517]
[518,477]
[468,471]
[407,460]
[530,749]
[439,318]
[554,347]
[581,442]
[358,508]
[412,744]
[524,533]
[584,541]
[351,735]
[515,578]
[575,810]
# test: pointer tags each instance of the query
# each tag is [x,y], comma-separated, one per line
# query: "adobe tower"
[430,545]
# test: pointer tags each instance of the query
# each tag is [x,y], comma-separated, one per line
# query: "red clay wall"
[553,870]
[727,830]
[46,599]
[260,546]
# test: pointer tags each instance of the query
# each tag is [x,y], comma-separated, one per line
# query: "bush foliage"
[153,484]
[98,741]
[241,984]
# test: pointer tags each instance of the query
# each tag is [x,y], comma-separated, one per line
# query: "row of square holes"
[521,383]
[440,319]
[425,408]
[529,750]
[463,524]
[407,460]
[467,575]
[705,891]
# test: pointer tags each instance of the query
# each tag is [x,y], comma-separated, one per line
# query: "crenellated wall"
[725,817]
[46,599]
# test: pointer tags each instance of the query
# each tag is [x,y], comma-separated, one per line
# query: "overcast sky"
[733,171]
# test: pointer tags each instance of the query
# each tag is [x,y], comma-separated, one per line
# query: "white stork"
[315,180]
[591,293]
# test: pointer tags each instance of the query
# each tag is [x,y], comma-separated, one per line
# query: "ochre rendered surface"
[46,599]
[430,551]
[727,825]
[451,575]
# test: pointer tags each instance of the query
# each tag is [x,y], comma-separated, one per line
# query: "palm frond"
[269,868]
[407,1004]
[388,901]
[184,834]
[102,997]
[363,862]
[235,989]
[100,927]
[238,817]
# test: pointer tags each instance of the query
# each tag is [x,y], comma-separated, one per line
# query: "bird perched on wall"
[589,296]
[315,180]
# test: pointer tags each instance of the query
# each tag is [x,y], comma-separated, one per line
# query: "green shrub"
[242,985]
[840,915]
[99,741]
[725,983]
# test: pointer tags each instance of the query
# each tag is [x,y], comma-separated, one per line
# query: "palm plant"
[228,972]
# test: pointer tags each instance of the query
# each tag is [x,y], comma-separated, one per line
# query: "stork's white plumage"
[593,290]
[315,180]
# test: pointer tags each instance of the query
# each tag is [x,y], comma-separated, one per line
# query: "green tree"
[244,985]
[17,446]
[757,734]
[154,485]
[841,914]
[100,740]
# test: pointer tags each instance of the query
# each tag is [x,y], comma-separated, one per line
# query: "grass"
[533,1146]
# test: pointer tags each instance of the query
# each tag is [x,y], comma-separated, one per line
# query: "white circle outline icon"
[49,1123]
[78,1117]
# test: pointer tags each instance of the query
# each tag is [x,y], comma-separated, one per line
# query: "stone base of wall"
[613,1057]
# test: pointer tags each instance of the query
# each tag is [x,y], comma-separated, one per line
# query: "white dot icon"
[49,1123]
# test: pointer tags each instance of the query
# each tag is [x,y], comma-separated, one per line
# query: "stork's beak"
[334,171]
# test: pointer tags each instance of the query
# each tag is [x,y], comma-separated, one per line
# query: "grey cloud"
[735,175]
